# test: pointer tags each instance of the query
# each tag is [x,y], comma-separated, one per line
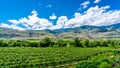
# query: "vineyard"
[110,58]
[43,57]
[50,53]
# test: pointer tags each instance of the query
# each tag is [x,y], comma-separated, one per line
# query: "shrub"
[33,44]
[3,43]
[46,42]
[61,43]
[104,65]
[77,42]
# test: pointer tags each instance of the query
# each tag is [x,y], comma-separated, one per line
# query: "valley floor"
[56,57]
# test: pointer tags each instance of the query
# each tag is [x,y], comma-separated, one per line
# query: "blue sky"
[57,14]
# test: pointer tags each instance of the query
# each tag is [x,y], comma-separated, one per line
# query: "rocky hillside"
[87,31]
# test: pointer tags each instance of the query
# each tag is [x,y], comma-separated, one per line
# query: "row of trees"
[48,42]
[96,43]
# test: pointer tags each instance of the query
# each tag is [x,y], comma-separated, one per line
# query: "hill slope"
[86,31]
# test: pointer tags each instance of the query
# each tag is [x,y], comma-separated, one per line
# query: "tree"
[3,43]
[87,43]
[33,44]
[104,65]
[61,43]
[46,42]
[77,42]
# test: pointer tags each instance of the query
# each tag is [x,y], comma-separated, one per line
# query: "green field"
[43,57]
[110,58]
[57,53]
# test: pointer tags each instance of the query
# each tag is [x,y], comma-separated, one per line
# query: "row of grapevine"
[43,57]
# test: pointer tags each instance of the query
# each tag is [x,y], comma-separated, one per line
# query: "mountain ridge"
[102,31]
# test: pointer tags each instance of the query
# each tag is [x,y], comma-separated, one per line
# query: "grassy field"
[110,58]
[65,57]
[44,57]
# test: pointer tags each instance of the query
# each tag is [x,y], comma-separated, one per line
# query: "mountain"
[86,31]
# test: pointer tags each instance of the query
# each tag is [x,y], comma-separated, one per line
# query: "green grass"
[110,58]
[43,57]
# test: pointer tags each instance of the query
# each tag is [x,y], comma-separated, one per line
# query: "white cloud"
[33,22]
[74,22]
[97,1]
[14,22]
[85,4]
[60,23]
[3,25]
[49,6]
[34,12]
[53,17]
[96,16]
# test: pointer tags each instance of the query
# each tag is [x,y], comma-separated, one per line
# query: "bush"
[3,43]
[33,44]
[87,43]
[77,42]
[17,44]
[61,43]
[104,65]
[46,42]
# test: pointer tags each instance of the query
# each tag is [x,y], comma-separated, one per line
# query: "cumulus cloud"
[33,22]
[53,17]
[34,12]
[3,25]
[14,22]
[60,23]
[74,22]
[85,4]
[97,1]
[96,16]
